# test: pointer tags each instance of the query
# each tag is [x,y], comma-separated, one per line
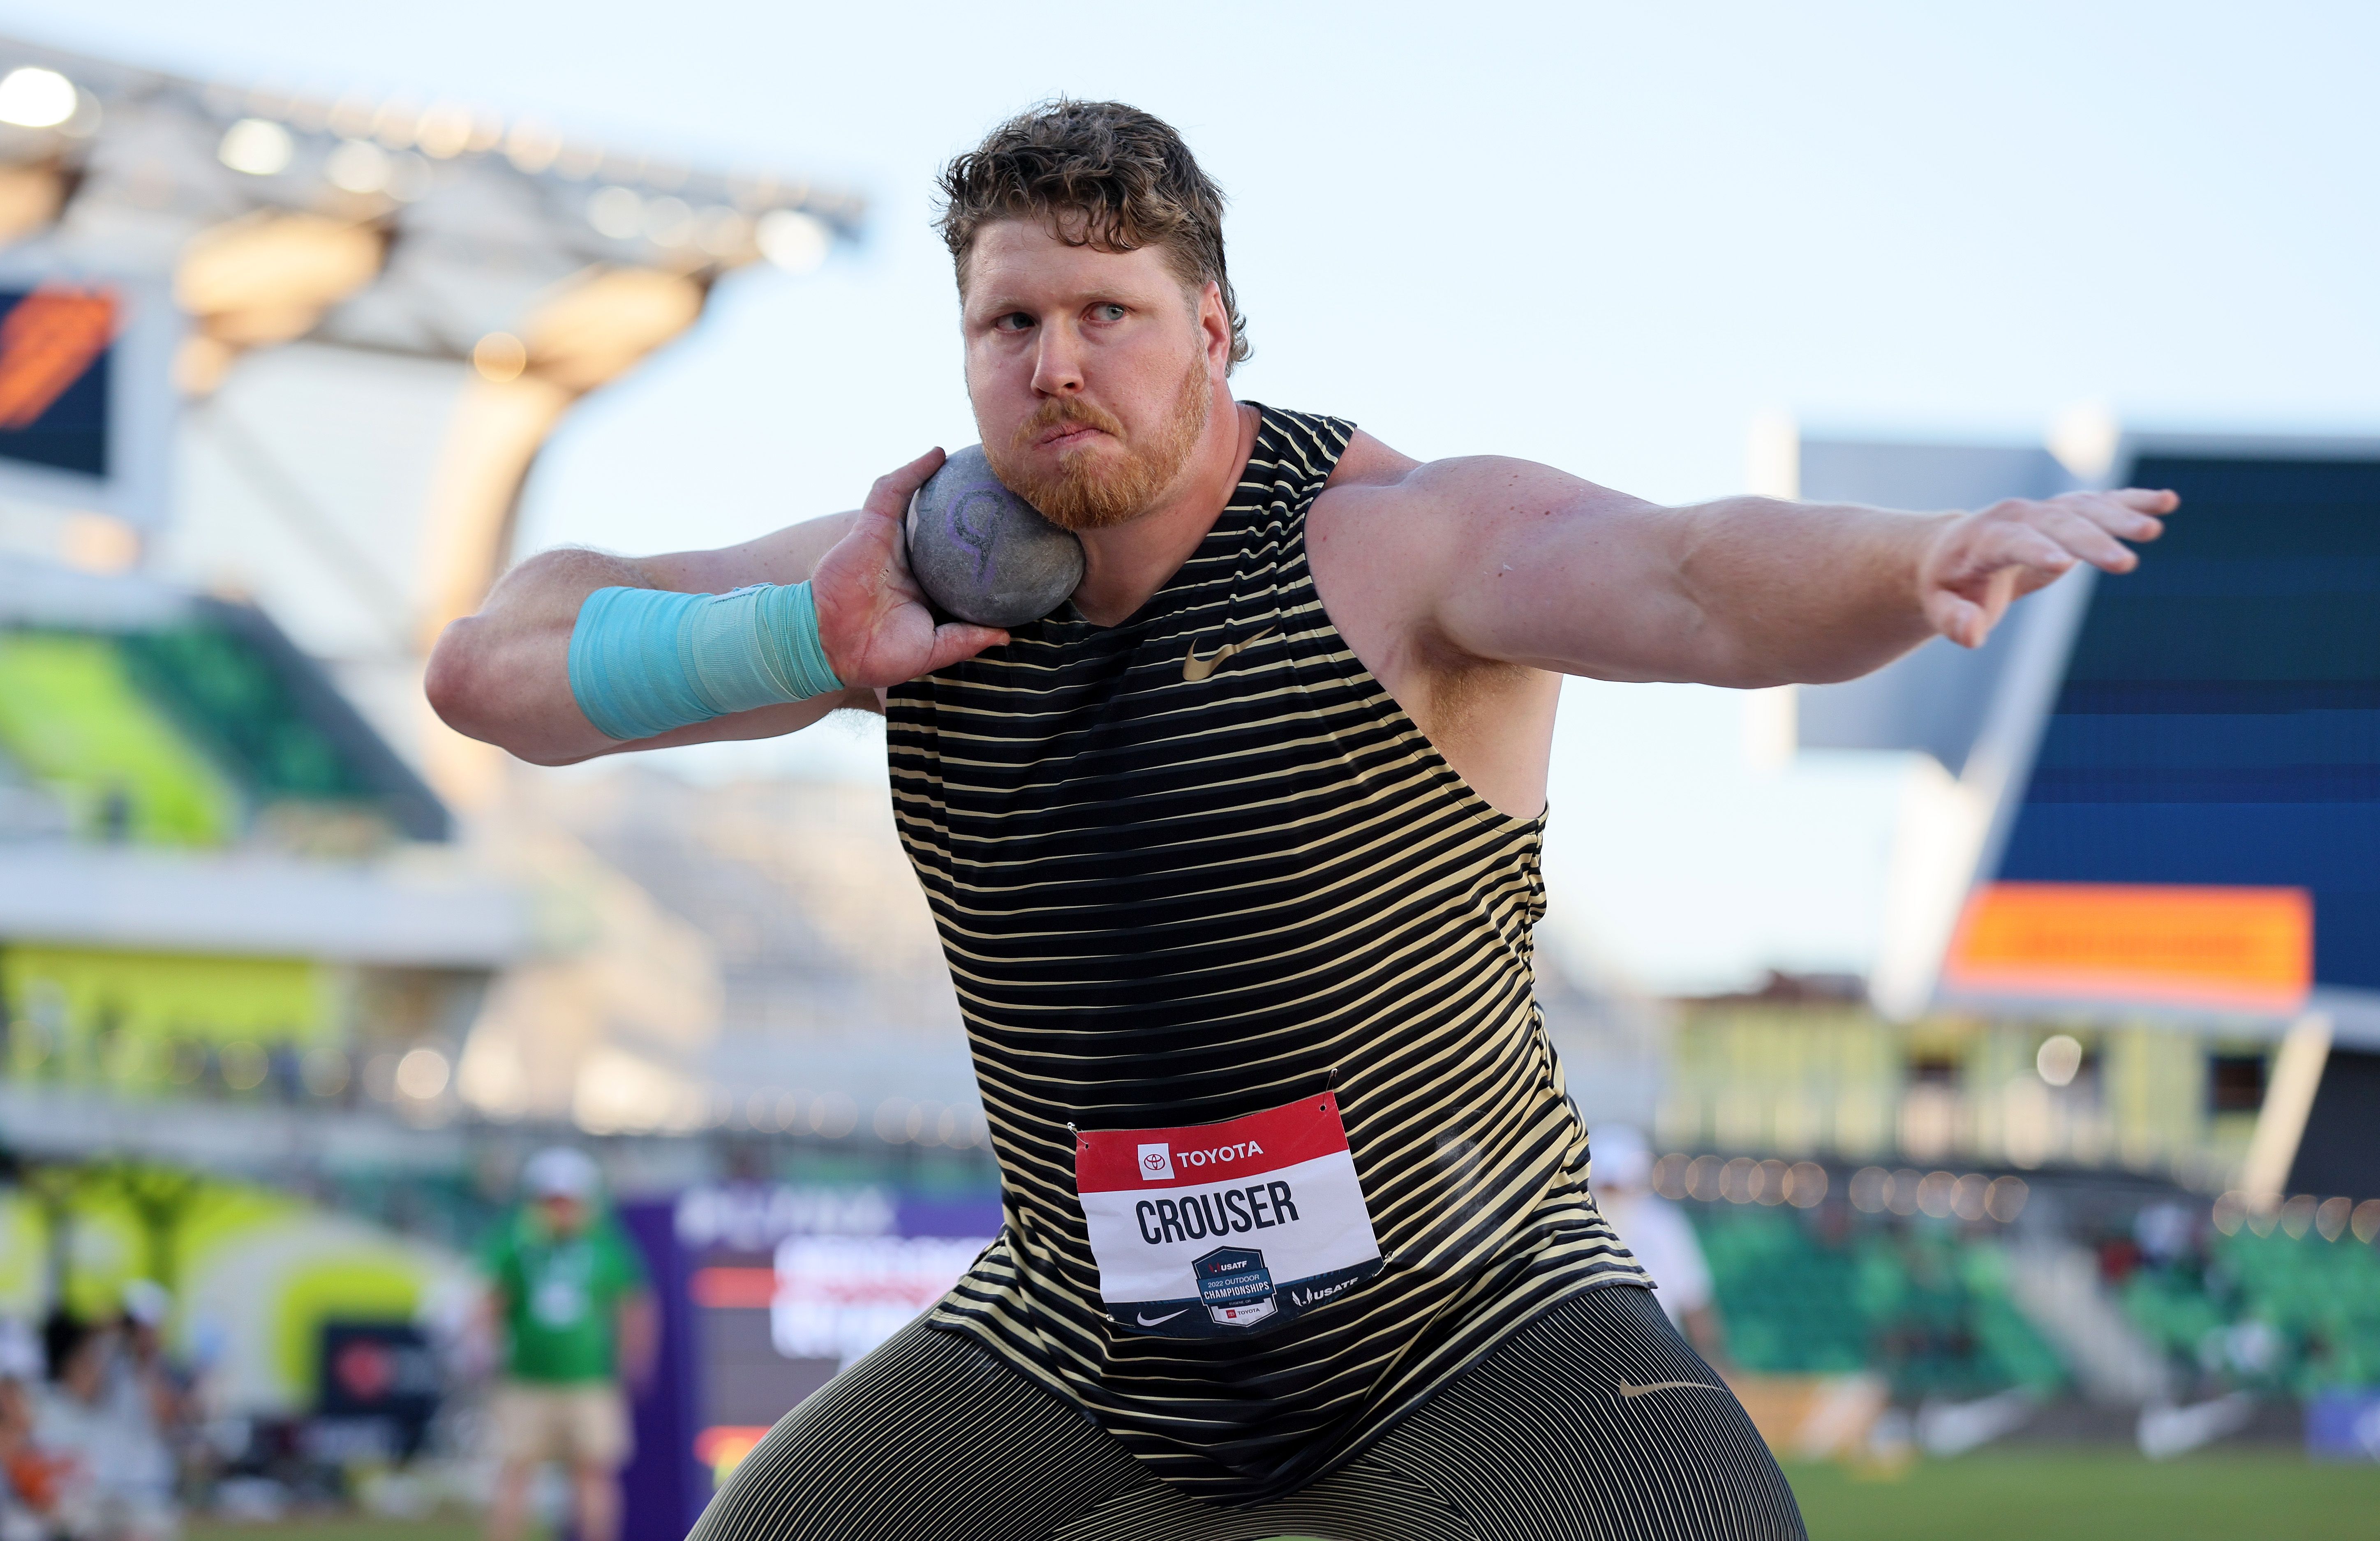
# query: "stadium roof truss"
[379,309]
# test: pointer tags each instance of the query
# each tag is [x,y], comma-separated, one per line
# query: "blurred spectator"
[2166,1231]
[1659,1234]
[152,1393]
[28,1482]
[569,1292]
[111,1481]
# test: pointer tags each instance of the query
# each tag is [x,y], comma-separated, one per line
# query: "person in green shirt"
[569,1294]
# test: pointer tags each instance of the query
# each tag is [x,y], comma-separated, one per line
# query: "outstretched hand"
[1982,561]
[873,618]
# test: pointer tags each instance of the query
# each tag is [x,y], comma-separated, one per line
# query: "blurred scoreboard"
[2217,735]
[87,400]
[54,344]
[788,1284]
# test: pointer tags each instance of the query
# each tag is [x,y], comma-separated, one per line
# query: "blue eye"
[1108,312]
[1015,320]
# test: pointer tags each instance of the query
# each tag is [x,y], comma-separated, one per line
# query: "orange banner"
[2248,948]
[46,343]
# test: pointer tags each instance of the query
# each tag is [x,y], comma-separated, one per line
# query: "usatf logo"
[1156,1164]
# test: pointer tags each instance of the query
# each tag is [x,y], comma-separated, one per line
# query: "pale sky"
[1599,235]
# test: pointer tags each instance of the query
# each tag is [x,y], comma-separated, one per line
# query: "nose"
[1057,363]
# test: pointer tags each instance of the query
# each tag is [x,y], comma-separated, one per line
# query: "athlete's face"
[1093,373]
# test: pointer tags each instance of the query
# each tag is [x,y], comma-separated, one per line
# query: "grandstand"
[207,891]
[315,345]
[1926,1307]
[2281,1312]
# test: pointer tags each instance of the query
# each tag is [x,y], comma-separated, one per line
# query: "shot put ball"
[983,554]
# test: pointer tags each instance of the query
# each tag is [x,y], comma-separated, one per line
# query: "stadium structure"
[2100,1120]
[2151,801]
[272,371]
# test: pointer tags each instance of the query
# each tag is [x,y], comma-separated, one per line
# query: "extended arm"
[504,674]
[1540,568]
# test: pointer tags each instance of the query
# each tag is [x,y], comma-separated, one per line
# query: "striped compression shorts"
[1595,1420]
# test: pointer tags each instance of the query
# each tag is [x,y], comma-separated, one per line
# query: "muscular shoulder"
[1416,524]
[1367,462]
[1389,535]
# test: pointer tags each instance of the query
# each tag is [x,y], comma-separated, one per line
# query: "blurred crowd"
[97,1425]
[2261,1306]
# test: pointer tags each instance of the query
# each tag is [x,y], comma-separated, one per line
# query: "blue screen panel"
[2220,718]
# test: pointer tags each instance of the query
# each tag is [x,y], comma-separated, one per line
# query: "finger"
[957,640]
[890,496]
[2072,528]
[2148,500]
[2112,514]
[1999,592]
[898,574]
[1997,547]
[1962,621]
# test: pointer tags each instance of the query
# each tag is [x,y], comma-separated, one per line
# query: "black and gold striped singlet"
[1196,866]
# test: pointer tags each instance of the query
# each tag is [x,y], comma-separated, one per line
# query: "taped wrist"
[644,661]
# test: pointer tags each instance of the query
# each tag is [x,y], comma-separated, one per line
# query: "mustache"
[1066,412]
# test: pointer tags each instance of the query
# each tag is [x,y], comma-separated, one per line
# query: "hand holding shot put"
[1217,736]
[873,626]
[874,619]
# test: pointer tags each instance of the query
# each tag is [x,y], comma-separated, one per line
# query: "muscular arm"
[504,674]
[1523,564]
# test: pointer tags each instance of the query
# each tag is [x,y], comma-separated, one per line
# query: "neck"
[1123,564]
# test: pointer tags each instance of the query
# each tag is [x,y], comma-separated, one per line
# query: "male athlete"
[1234,857]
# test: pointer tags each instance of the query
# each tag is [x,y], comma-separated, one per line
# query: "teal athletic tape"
[645,660]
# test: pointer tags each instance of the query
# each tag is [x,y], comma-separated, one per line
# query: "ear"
[1215,325]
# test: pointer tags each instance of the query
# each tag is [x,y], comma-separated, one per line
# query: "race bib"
[1221,1227]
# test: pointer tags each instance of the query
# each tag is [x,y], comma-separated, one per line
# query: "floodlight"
[36,98]
[668,222]
[2059,1058]
[444,131]
[408,176]
[532,147]
[500,356]
[358,166]
[257,146]
[795,241]
[422,1073]
[722,232]
[617,213]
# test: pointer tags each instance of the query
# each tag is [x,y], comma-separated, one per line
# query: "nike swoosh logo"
[1147,1321]
[1194,668]
[1628,1391]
